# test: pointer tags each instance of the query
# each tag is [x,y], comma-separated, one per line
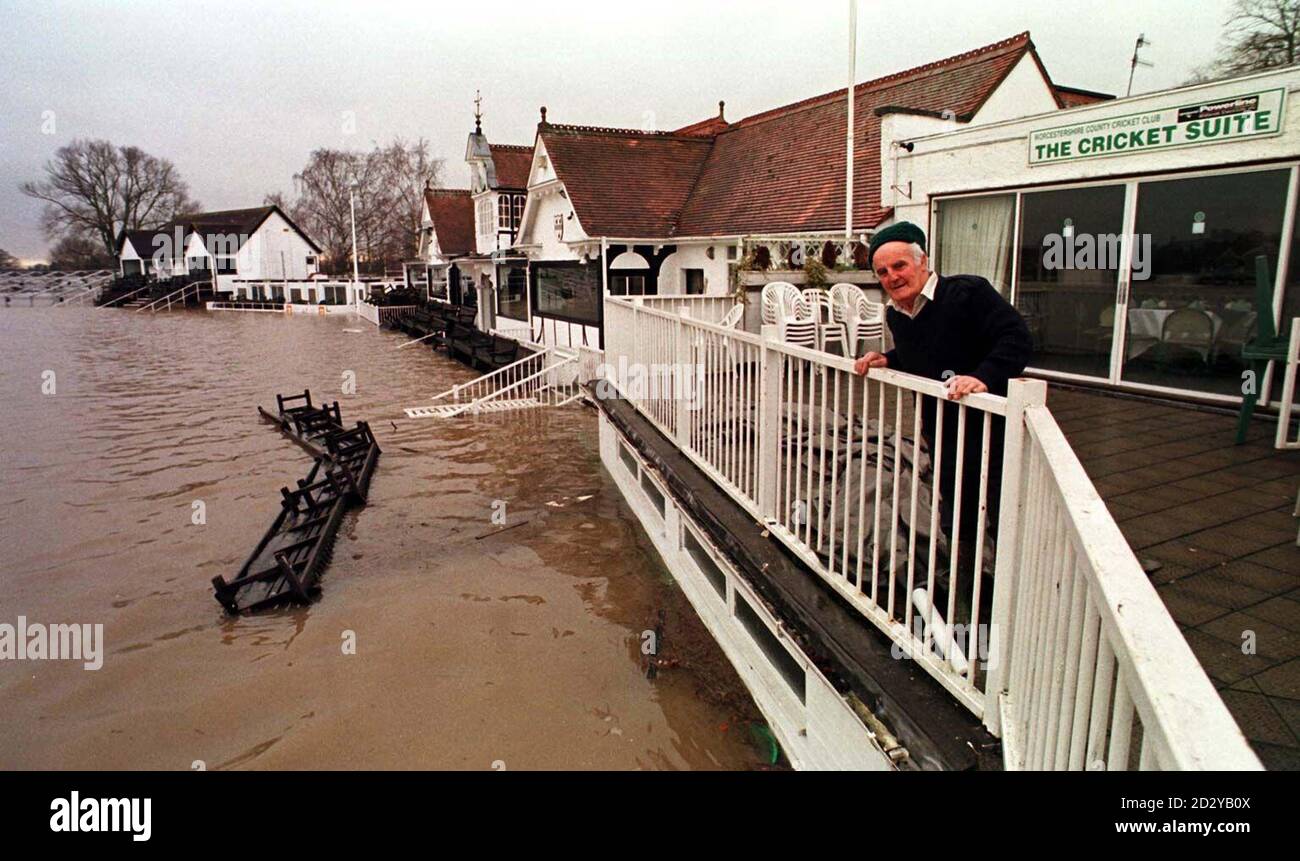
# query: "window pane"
[570,292]
[975,238]
[1197,243]
[512,298]
[1068,274]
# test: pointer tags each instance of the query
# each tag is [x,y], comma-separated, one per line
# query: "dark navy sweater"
[968,329]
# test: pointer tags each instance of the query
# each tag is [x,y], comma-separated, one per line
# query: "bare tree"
[7,260]
[1259,34]
[406,171]
[96,190]
[389,190]
[79,252]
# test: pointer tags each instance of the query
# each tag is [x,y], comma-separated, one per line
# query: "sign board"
[1249,115]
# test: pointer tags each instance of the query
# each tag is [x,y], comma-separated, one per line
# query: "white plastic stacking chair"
[733,317]
[844,305]
[828,330]
[867,326]
[779,300]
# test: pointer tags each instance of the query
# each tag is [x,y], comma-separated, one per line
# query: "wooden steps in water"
[287,563]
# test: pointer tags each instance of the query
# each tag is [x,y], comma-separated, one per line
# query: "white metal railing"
[125,296]
[85,297]
[382,314]
[247,305]
[1099,675]
[549,377]
[859,477]
[503,377]
[164,303]
[707,309]
[1287,398]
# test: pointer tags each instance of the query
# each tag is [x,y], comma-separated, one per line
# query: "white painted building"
[1125,231]
[231,247]
[718,205]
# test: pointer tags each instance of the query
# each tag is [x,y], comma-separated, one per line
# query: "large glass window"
[1069,262]
[627,285]
[975,238]
[512,297]
[1192,302]
[503,212]
[569,293]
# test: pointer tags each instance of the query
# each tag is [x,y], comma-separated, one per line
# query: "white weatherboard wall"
[275,252]
[996,156]
[820,733]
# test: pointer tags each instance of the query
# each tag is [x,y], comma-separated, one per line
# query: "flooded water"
[475,647]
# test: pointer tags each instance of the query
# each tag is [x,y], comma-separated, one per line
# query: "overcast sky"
[237,94]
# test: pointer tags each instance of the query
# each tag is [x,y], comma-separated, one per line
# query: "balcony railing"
[1025,603]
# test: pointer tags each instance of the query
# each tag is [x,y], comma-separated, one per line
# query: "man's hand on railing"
[960,387]
[870,360]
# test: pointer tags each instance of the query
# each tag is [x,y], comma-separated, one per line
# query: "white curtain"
[975,235]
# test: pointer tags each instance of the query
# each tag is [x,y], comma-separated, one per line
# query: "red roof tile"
[783,170]
[1072,97]
[779,171]
[623,182]
[512,165]
[452,212]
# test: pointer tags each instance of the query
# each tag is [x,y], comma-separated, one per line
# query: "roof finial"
[722,110]
[478,112]
[543,113]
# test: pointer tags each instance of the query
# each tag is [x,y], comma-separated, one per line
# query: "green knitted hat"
[903,231]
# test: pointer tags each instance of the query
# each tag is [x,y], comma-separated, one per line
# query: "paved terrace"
[1213,524]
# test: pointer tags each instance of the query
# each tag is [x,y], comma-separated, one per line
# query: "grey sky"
[237,93]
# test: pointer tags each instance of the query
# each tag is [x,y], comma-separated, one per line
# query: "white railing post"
[1021,394]
[683,379]
[769,422]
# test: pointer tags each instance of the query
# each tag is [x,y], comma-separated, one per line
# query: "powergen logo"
[132,815]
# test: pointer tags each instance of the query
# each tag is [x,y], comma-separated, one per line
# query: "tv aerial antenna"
[1137,61]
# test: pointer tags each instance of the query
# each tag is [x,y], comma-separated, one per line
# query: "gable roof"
[452,212]
[624,182]
[240,223]
[778,171]
[782,170]
[513,164]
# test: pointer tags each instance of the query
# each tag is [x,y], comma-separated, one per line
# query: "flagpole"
[848,161]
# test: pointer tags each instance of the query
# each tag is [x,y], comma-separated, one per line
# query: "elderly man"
[955,328]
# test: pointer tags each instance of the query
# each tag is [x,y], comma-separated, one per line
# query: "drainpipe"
[848,169]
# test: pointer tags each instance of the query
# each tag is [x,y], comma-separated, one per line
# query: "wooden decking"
[1213,524]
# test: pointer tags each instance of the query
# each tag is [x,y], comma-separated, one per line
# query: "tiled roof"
[624,182]
[783,170]
[238,223]
[512,165]
[779,171]
[452,211]
[1072,97]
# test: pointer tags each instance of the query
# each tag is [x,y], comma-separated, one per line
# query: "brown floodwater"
[476,647]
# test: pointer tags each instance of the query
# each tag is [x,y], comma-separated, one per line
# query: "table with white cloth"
[1146,328]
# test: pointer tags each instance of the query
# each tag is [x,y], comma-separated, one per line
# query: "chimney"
[722,109]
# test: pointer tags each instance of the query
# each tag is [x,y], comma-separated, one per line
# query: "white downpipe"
[848,162]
